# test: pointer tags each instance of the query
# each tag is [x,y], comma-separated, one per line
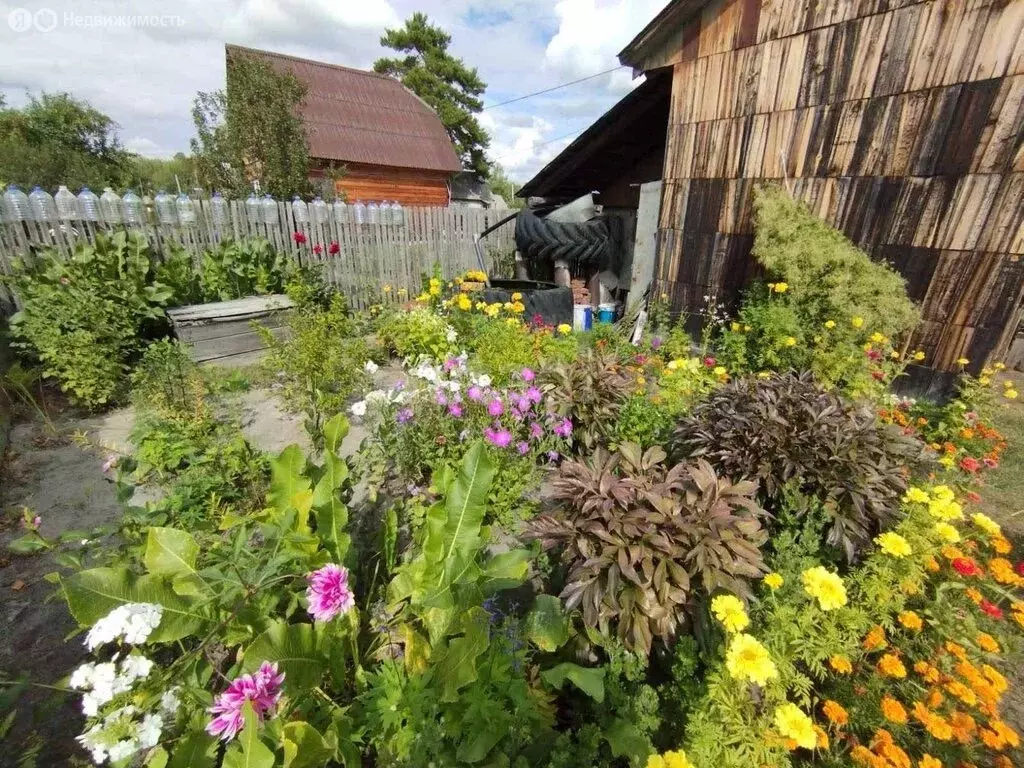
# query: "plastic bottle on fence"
[372,212]
[269,206]
[131,208]
[359,212]
[110,206]
[88,205]
[16,205]
[318,211]
[42,206]
[165,212]
[186,209]
[299,210]
[386,213]
[252,208]
[340,210]
[67,204]
[397,213]
[219,210]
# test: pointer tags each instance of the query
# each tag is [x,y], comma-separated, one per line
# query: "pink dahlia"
[328,593]
[262,688]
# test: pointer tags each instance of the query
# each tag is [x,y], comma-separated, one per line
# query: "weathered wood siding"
[899,121]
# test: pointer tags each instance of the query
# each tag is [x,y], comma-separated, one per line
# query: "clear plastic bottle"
[131,208]
[318,211]
[219,210]
[252,209]
[88,205]
[165,212]
[67,204]
[110,206]
[397,214]
[372,212]
[385,213]
[359,212]
[42,206]
[16,205]
[186,209]
[340,210]
[270,215]
[300,210]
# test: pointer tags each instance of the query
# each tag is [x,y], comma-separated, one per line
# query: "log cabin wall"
[409,186]
[899,121]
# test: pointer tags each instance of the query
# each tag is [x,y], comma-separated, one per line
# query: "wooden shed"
[899,121]
[393,146]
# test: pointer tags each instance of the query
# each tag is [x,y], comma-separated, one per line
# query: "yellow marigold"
[565,329]
[655,761]
[747,659]
[878,338]
[891,666]
[1010,394]
[911,620]
[821,737]
[988,643]
[793,723]
[464,302]
[893,544]
[1002,545]
[927,761]
[517,296]
[1006,733]
[974,595]
[947,533]
[892,710]
[830,324]
[731,611]
[1002,570]
[518,307]
[939,728]
[826,586]
[995,678]
[918,355]
[945,509]
[789,341]
[916,496]
[781,287]
[952,553]
[987,524]
[861,755]
[672,759]
[773,580]
[857,322]
[962,361]
[840,664]
[932,564]
[874,640]
[947,462]
[928,672]
[962,692]
[834,713]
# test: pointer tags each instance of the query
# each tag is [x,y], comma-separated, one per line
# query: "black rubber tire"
[588,244]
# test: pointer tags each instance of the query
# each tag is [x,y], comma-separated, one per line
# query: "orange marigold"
[1006,733]
[991,739]
[1002,761]
[927,761]
[821,737]
[891,666]
[1002,545]
[911,620]
[841,664]
[963,726]
[861,755]
[962,692]
[951,553]
[1002,570]
[939,728]
[956,650]
[892,710]
[930,673]
[874,640]
[988,643]
[935,698]
[834,713]
[894,756]
[974,595]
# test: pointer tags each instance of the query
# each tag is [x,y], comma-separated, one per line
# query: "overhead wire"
[552,88]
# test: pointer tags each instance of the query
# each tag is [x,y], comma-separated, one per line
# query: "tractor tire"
[539,240]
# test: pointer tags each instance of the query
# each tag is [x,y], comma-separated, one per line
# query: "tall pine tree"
[451,88]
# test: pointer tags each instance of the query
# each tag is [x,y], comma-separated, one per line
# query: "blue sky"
[145,77]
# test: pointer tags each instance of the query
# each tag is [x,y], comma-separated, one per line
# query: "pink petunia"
[262,688]
[328,593]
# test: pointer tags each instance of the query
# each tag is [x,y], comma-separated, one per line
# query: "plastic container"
[269,207]
[16,206]
[186,209]
[372,213]
[359,212]
[252,209]
[131,208]
[300,211]
[319,213]
[397,214]
[340,210]
[67,204]
[165,210]
[219,210]
[386,213]
[88,205]
[110,206]
[42,205]
[606,313]
[582,317]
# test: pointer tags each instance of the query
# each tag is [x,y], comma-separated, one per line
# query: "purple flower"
[455,409]
[527,374]
[496,407]
[536,431]
[450,364]
[517,414]
[523,447]
[328,593]
[439,396]
[553,455]
[262,688]
[656,342]
[404,415]
[475,393]
[399,385]
[564,428]
[501,438]
[523,403]
[534,395]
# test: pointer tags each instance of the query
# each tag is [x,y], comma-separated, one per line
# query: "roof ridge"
[329,65]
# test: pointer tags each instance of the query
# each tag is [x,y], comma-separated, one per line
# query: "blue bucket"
[606,313]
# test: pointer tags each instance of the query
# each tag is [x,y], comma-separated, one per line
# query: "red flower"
[972,496]
[874,354]
[1020,568]
[299,238]
[991,609]
[970,464]
[710,362]
[334,249]
[318,249]
[966,567]
[878,375]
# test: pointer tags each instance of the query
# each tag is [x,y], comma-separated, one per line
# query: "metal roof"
[355,116]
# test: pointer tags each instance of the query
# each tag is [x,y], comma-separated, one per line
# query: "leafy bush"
[787,428]
[830,278]
[641,539]
[85,318]
[231,270]
[590,391]
[419,333]
[642,422]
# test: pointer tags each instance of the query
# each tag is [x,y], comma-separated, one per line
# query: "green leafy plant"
[787,428]
[641,539]
[250,267]
[417,334]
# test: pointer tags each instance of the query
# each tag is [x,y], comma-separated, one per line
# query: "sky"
[142,61]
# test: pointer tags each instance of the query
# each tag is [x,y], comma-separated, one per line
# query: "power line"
[549,90]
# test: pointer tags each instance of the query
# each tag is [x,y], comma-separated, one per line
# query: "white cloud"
[591,33]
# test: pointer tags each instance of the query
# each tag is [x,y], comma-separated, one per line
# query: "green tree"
[56,139]
[252,131]
[443,81]
[502,185]
[150,174]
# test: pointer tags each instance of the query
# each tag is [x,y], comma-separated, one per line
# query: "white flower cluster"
[102,682]
[450,335]
[132,621]
[120,735]
[371,367]
[376,397]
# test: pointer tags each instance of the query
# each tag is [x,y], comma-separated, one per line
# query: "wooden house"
[392,145]
[899,121]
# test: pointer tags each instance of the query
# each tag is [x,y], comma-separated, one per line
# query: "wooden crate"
[222,332]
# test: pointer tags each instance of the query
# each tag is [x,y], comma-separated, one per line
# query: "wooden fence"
[374,262]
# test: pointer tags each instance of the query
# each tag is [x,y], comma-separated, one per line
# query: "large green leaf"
[170,552]
[331,522]
[196,750]
[304,747]
[590,680]
[93,594]
[477,745]
[466,503]
[287,478]
[250,752]
[332,477]
[457,668]
[335,430]
[295,648]
[546,624]
[626,740]
[506,570]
